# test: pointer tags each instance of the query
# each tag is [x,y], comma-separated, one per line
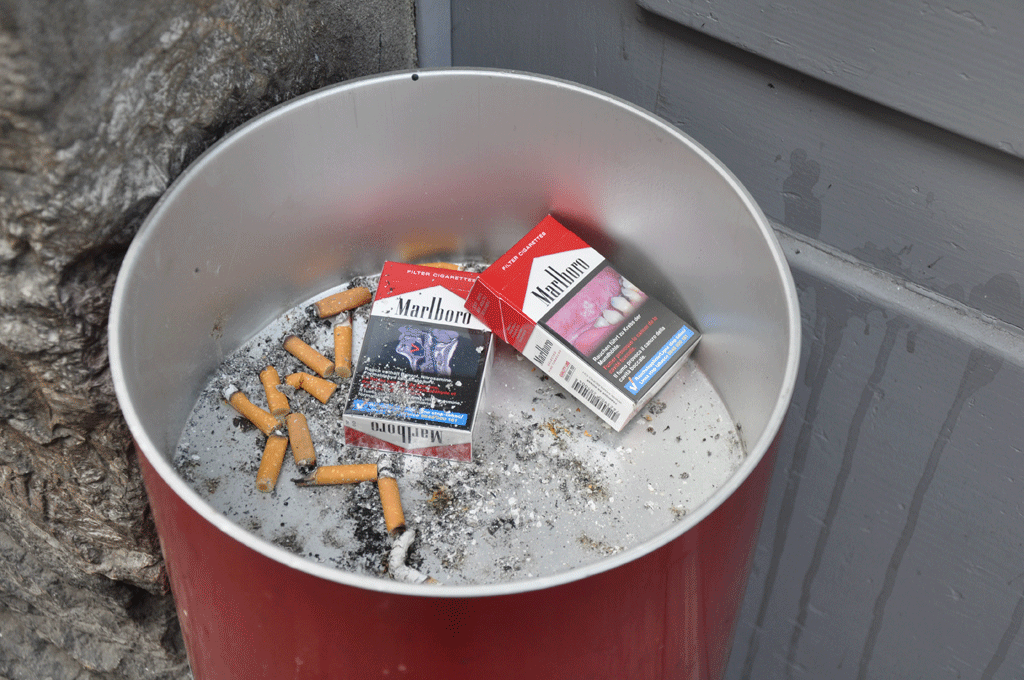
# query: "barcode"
[542,355]
[595,400]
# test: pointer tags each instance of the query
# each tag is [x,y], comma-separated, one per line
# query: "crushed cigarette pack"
[560,303]
[422,365]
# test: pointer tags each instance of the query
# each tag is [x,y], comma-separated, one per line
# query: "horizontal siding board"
[956,67]
[917,304]
[871,185]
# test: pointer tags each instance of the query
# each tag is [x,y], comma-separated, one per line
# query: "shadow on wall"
[999,297]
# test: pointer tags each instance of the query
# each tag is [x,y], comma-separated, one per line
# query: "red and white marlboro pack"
[420,372]
[560,303]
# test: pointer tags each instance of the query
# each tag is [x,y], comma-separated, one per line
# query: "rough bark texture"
[102,104]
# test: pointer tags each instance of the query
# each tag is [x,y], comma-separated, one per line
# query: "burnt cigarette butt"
[257,416]
[300,439]
[442,265]
[277,402]
[342,302]
[318,387]
[343,347]
[391,503]
[339,474]
[270,463]
[317,362]
[400,571]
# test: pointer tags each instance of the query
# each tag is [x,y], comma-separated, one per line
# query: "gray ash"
[656,407]
[550,488]
[368,530]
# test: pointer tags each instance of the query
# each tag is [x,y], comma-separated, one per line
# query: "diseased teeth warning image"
[597,310]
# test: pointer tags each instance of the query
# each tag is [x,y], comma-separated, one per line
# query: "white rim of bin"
[755,453]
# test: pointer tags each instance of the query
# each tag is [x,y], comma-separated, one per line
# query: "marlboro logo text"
[408,433]
[561,280]
[434,312]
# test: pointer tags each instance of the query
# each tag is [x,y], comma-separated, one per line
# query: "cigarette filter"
[301,441]
[391,503]
[270,463]
[343,347]
[339,474]
[342,302]
[277,402]
[317,362]
[568,310]
[428,244]
[442,265]
[318,387]
[257,416]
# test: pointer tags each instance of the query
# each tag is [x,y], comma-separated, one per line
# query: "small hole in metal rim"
[415,76]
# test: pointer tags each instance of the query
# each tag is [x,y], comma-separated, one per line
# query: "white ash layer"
[550,488]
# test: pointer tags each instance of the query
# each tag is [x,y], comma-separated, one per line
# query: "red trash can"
[326,187]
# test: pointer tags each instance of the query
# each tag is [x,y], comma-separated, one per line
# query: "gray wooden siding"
[893,540]
[958,67]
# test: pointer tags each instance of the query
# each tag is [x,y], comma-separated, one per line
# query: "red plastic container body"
[670,614]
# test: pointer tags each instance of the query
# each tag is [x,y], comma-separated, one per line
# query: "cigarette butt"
[318,387]
[400,571]
[437,244]
[342,302]
[317,362]
[391,503]
[442,265]
[301,441]
[270,463]
[277,402]
[343,347]
[257,416]
[339,474]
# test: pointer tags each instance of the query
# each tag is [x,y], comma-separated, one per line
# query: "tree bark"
[102,104]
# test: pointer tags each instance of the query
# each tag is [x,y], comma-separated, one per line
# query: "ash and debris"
[550,487]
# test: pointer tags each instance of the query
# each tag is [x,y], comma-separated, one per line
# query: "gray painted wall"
[892,541]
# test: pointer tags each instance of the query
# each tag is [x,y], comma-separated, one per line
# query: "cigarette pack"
[560,303]
[420,373]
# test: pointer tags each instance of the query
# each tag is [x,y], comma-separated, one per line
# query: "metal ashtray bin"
[325,186]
